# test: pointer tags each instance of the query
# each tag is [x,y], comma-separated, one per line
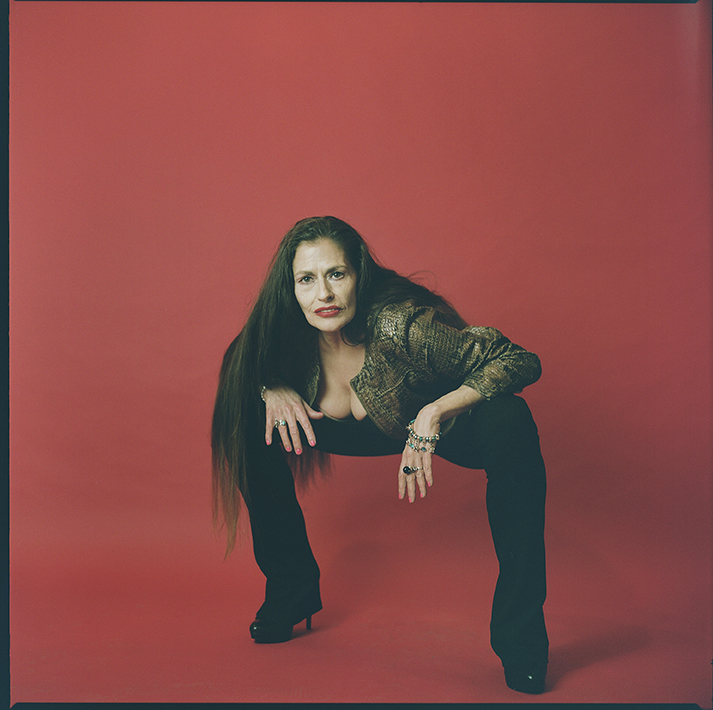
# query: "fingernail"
[298,451]
[312,443]
[288,448]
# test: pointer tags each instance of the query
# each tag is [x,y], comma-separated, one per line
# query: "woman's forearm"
[450,405]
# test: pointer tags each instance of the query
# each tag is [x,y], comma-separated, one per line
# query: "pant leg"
[500,436]
[282,549]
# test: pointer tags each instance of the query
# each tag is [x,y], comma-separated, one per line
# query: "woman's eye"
[305,280]
[337,274]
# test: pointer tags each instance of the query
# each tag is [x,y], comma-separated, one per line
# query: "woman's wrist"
[422,442]
[430,417]
[275,385]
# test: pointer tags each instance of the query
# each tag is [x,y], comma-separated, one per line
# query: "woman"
[360,361]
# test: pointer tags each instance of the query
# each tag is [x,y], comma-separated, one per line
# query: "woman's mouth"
[328,312]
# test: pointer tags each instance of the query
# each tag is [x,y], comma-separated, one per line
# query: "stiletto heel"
[271,632]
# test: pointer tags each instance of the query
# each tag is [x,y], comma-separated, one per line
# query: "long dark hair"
[277,344]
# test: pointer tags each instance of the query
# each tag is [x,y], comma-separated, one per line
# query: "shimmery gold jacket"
[414,358]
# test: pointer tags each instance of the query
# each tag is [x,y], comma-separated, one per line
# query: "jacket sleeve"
[482,358]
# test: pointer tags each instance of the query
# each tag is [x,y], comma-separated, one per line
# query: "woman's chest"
[335,396]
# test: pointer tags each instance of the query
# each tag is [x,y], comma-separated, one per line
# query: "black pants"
[499,436]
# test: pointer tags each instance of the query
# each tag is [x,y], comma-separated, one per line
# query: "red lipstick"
[328,311]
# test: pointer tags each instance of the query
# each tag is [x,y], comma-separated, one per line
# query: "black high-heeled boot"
[527,679]
[273,632]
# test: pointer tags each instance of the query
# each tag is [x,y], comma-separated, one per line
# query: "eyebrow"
[340,267]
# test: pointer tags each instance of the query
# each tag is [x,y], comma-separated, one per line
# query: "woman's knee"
[506,415]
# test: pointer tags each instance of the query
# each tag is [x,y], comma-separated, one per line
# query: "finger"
[411,484]
[307,427]
[269,426]
[295,434]
[427,460]
[313,413]
[285,436]
[409,478]
[421,481]
[402,477]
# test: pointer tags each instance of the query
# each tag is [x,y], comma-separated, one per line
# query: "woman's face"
[325,285]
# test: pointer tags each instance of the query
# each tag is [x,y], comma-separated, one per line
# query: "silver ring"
[408,470]
[280,422]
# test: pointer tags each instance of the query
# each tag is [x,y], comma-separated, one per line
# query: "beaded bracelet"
[427,444]
[262,393]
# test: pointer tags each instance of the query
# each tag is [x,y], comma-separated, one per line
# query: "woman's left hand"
[427,423]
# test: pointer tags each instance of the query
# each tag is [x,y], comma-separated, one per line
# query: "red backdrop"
[550,164]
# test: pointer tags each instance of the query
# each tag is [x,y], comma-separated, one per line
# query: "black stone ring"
[408,470]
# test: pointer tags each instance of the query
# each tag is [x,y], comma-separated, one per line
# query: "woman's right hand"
[283,404]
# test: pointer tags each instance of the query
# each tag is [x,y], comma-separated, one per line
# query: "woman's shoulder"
[395,319]
[398,312]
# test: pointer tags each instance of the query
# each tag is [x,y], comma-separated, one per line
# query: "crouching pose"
[343,356]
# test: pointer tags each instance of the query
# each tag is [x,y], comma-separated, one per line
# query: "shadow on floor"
[616,641]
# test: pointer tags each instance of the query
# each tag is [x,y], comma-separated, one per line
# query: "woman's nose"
[325,292]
